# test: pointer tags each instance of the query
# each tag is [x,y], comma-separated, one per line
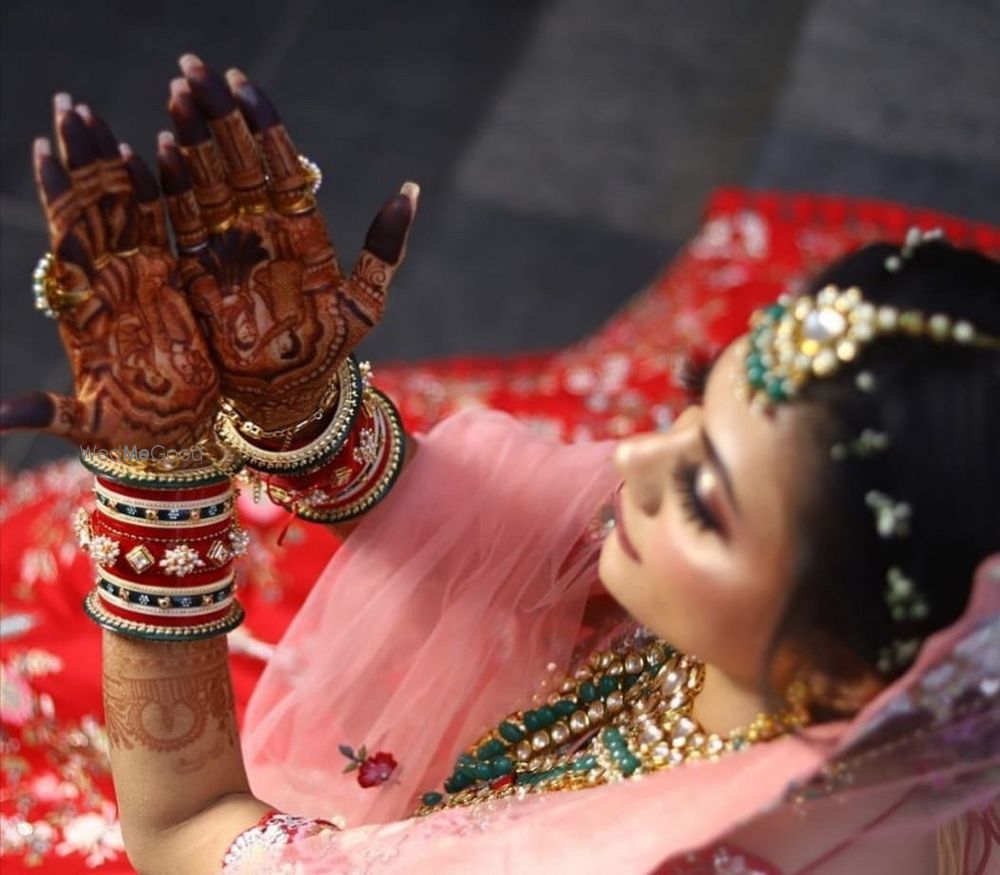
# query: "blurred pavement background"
[564,147]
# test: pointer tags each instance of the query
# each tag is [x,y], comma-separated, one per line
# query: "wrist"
[307,444]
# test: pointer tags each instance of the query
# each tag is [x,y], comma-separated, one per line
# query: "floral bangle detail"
[358,477]
[162,588]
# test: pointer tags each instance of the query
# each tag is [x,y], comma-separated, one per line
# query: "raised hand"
[255,256]
[141,369]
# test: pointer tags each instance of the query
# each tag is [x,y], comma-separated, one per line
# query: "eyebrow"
[716,459]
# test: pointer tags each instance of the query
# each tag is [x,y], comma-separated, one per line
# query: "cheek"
[695,594]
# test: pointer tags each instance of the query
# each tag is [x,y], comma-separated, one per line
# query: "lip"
[627,545]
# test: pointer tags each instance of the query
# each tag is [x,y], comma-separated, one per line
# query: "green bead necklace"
[625,713]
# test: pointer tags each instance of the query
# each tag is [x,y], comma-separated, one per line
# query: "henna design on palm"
[255,256]
[142,372]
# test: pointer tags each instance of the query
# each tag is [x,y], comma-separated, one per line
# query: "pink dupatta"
[440,614]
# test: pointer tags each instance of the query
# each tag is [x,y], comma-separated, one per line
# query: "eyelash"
[686,479]
[692,377]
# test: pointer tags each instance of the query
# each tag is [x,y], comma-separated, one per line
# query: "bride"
[762,641]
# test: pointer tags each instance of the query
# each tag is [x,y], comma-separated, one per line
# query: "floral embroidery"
[373,769]
[55,772]
[275,829]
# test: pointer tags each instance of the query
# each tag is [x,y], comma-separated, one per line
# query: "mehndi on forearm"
[175,750]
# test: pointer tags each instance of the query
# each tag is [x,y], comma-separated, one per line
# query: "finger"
[201,158]
[388,234]
[55,191]
[243,162]
[185,217]
[289,186]
[383,253]
[152,214]
[80,157]
[118,201]
[43,411]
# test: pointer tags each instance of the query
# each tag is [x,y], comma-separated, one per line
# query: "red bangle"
[163,559]
[358,477]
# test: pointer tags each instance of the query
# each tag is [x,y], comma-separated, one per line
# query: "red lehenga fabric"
[57,804]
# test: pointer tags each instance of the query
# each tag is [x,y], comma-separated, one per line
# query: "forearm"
[175,753]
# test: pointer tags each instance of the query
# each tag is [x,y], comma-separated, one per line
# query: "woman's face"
[703,551]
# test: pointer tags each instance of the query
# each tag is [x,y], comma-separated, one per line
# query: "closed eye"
[686,480]
[692,376]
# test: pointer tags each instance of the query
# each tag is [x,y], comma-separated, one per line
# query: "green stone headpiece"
[798,339]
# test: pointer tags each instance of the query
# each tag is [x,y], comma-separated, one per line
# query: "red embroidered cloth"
[57,807]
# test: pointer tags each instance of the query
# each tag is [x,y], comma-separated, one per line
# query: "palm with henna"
[141,369]
[255,255]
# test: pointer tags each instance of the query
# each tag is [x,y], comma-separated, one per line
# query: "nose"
[644,462]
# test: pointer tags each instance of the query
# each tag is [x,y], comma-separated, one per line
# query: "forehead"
[768,454]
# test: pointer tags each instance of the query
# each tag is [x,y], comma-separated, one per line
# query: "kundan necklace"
[625,713]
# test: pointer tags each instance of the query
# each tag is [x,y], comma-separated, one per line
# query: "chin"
[616,572]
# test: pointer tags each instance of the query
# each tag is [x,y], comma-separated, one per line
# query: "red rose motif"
[376,769]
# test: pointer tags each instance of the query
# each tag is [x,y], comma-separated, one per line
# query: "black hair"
[939,406]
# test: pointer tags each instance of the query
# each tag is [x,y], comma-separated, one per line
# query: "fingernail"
[190,127]
[211,91]
[387,235]
[190,62]
[179,86]
[52,177]
[236,78]
[142,180]
[410,190]
[165,140]
[259,111]
[28,411]
[41,147]
[125,150]
[80,146]
[62,102]
[83,110]
[104,139]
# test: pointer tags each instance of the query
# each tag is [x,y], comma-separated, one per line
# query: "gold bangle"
[149,473]
[151,504]
[133,629]
[381,488]
[327,443]
[247,427]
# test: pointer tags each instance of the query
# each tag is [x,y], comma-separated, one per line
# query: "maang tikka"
[798,339]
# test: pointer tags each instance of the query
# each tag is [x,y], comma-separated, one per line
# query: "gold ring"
[50,297]
[299,202]
[314,176]
[224,225]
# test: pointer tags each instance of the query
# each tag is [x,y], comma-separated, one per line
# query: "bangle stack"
[335,475]
[358,477]
[163,537]
[164,557]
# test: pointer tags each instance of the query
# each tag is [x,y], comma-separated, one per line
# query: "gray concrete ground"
[565,147]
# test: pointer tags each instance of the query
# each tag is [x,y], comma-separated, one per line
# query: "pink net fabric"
[441,609]
[442,615]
